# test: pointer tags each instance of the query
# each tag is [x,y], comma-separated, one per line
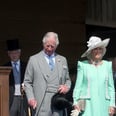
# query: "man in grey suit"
[42,81]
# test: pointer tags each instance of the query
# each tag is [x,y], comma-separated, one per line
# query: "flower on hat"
[93,41]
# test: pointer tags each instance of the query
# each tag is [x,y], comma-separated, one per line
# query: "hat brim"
[60,102]
[103,44]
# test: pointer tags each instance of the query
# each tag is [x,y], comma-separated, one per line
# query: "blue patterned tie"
[15,67]
[16,73]
[51,62]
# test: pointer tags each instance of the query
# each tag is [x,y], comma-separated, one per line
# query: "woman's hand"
[75,111]
[111,111]
[76,107]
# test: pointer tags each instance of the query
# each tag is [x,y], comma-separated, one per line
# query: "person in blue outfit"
[94,82]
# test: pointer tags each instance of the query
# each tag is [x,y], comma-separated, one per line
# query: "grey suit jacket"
[36,73]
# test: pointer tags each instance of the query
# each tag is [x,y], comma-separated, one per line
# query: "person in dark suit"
[17,99]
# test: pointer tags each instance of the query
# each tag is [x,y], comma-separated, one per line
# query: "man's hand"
[32,103]
[63,89]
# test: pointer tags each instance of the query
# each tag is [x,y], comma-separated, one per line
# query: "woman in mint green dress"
[94,81]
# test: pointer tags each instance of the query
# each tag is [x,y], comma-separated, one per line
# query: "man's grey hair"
[48,35]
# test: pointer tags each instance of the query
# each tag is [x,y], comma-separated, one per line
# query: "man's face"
[14,55]
[50,46]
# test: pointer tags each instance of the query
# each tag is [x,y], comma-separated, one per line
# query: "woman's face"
[97,53]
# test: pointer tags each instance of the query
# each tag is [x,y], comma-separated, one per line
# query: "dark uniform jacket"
[11,81]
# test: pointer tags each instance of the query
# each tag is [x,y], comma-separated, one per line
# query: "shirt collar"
[53,55]
[18,62]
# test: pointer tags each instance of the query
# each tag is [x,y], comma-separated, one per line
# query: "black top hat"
[60,102]
[12,44]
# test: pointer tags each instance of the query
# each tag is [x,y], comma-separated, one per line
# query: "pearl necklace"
[96,62]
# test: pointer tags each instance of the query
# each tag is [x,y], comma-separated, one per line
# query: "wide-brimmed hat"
[95,42]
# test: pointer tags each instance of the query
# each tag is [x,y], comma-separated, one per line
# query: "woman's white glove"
[74,112]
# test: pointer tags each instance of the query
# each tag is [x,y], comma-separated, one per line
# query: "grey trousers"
[46,110]
[17,108]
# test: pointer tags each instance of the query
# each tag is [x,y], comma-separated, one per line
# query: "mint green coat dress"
[95,85]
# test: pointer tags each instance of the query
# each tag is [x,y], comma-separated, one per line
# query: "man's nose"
[49,48]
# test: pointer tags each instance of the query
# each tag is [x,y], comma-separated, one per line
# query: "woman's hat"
[95,42]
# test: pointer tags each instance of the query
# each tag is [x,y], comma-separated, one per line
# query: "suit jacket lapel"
[59,66]
[22,70]
[43,65]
